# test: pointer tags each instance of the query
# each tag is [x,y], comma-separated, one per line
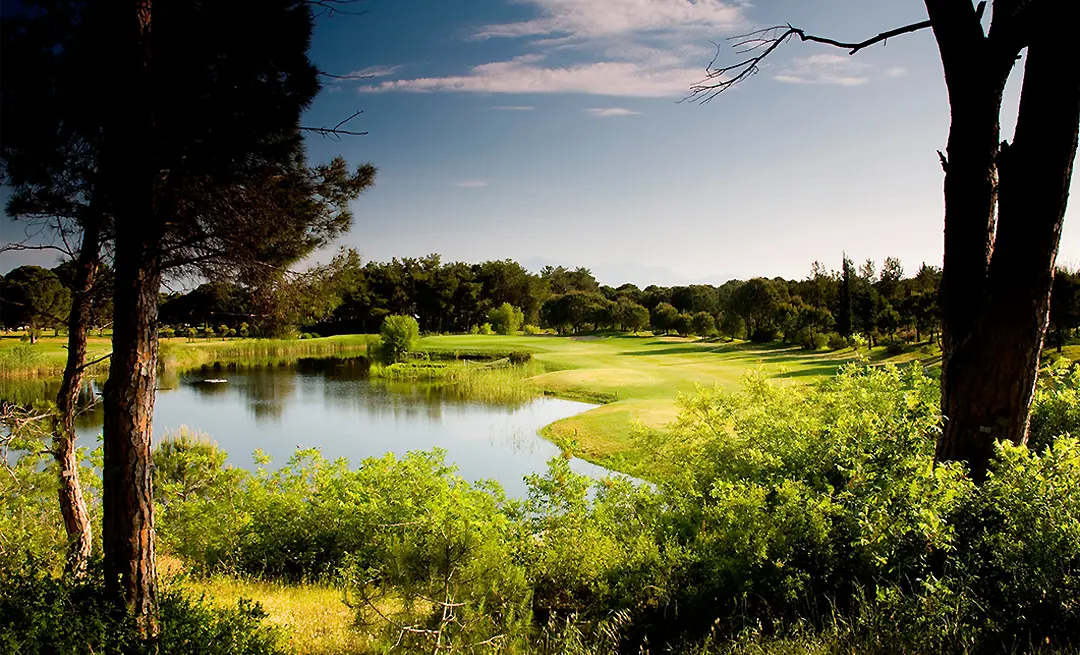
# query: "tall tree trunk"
[133,173]
[991,375]
[72,503]
[128,526]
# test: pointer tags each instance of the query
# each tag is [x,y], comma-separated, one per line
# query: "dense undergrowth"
[785,519]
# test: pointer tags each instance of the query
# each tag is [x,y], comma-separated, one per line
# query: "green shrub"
[485,328]
[520,357]
[399,336]
[837,342]
[531,329]
[43,614]
[505,319]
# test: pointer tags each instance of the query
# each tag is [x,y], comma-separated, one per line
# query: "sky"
[551,132]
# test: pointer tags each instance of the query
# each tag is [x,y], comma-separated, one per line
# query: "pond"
[333,405]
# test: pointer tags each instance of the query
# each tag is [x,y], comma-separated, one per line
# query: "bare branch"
[350,76]
[763,42]
[336,132]
[333,7]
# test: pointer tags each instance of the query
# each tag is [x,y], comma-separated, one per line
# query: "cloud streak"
[526,75]
[836,70]
[592,18]
[512,108]
[471,184]
[606,112]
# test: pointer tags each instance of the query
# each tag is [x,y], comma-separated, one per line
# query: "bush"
[837,342]
[520,357]
[531,329]
[43,614]
[399,336]
[506,319]
[485,328]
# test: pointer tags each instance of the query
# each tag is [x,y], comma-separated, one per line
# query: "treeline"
[351,296]
[348,296]
[34,298]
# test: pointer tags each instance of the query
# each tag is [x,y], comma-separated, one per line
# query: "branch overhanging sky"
[549,131]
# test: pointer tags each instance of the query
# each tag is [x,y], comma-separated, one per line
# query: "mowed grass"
[639,378]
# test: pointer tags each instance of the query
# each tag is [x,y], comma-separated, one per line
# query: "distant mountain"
[621,273]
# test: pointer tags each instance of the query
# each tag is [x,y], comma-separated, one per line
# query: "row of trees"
[350,296]
[36,298]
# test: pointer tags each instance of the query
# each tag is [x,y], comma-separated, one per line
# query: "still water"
[332,405]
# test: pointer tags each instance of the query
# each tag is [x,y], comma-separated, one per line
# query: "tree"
[732,325]
[1004,202]
[1065,305]
[704,324]
[663,318]
[506,319]
[631,316]
[202,163]
[757,302]
[399,336]
[34,297]
[683,324]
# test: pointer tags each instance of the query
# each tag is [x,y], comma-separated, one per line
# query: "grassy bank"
[637,379]
[182,355]
[46,358]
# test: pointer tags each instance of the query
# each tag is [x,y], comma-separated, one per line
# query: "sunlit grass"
[637,379]
[496,382]
[313,615]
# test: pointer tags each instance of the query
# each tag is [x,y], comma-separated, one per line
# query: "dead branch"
[333,7]
[761,43]
[336,132]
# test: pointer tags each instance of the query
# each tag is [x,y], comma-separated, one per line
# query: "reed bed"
[499,381]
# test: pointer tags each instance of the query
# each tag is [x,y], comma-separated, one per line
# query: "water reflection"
[331,404]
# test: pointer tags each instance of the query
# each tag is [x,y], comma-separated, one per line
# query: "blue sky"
[548,130]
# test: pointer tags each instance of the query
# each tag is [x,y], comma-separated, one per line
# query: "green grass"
[313,616]
[46,358]
[180,354]
[498,382]
[639,378]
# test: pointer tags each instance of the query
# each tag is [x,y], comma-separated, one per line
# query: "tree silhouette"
[1004,202]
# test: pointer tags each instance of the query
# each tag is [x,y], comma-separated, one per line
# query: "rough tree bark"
[128,510]
[128,525]
[72,503]
[991,358]
[996,284]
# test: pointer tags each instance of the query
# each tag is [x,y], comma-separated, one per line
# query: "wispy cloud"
[624,48]
[825,69]
[590,18]
[526,75]
[512,108]
[605,112]
[896,71]
[471,184]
